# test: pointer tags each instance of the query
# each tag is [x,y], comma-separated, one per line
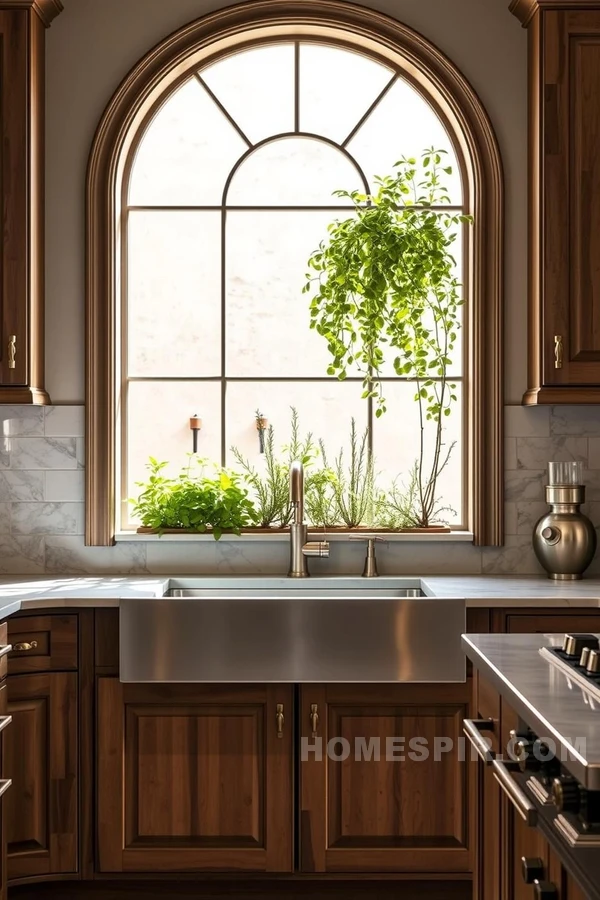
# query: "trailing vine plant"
[386,289]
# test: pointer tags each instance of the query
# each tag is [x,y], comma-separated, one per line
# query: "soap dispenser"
[564,539]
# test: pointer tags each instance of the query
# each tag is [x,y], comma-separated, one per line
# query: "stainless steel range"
[553,683]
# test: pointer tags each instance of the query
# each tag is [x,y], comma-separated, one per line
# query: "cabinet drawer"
[42,644]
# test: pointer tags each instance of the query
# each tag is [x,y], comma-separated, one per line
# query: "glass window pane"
[256,87]
[349,81]
[186,153]
[294,171]
[267,315]
[325,409]
[403,124]
[174,293]
[158,424]
[396,437]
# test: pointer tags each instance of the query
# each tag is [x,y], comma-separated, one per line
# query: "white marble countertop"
[478,591]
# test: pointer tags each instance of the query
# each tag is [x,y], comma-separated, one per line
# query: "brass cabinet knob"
[314,719]
[558,351]
[12,351]
[279,718]
[25,646]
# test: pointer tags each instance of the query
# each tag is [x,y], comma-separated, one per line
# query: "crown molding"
[47,10]
[525,10]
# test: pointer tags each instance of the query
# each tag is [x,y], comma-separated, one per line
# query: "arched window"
[211,181]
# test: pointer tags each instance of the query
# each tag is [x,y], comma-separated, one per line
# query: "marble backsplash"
[42,507]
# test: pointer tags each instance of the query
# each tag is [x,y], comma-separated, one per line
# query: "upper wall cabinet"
[564,215]
[22,26]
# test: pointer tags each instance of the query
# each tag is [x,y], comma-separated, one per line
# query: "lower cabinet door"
[40,756]
[5,784]
[194,777]
[384,782]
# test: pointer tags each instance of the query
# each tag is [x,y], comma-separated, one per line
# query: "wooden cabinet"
[194,777]
[512,621]
[41,758]
[378,791]
[22,102]
[564,283]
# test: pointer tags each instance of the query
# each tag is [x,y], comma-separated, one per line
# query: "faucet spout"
[300,548]
[297,491]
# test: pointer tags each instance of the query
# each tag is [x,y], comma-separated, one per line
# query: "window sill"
[406,537]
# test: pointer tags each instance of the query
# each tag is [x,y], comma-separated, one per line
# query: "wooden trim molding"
[525,10]
[47,10]
[470,128]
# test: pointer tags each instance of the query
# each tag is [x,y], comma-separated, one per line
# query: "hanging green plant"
[386,290]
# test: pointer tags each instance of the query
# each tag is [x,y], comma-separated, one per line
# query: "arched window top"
[224,113]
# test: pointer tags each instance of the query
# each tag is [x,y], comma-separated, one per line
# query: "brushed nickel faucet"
[300,548]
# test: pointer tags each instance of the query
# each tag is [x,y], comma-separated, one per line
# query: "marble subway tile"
[416,558]
[65,486]
[21,485]
[68,555]
[524,485]
[254,558]
[189,557]
[21,555]
[44,453]
[594,453]
[64,421]
[510,453]
[528,514]
[80,452]
[5,511]
[47,518]
[21,420]
[510,518]
[536,453]
[591,480]
[515,558]
[582,420]
[523,421]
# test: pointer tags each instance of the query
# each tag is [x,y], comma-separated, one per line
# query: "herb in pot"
[194,500]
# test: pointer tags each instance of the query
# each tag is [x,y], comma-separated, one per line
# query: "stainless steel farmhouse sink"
[266,630]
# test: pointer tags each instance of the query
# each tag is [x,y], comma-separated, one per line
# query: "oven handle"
[521,802]
[473,728]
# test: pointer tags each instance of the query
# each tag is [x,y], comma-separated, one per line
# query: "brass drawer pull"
[279,718]
[25,646]
[558,351]
[12,351]
[5,783]
[314,719]
[4,721]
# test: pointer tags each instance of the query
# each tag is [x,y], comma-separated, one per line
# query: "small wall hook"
[195,426]
[262,423]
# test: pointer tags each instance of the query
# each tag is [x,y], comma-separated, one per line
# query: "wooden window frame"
[469,126]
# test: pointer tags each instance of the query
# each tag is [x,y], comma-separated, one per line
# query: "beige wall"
[94,43]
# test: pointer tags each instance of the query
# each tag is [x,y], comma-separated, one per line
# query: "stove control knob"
[566,794]
[573,644]
[545,890]
[593,662]
[525,751]
[532,868]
